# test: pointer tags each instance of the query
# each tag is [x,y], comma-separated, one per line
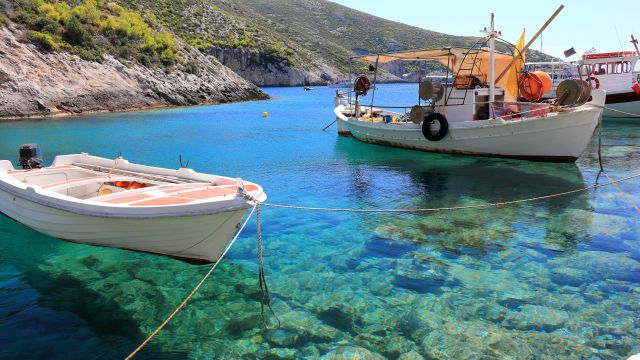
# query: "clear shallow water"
[550,279]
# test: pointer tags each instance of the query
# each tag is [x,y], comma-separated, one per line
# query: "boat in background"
[344,83]
[473,115]
[558,72]
[91,200]
[618,73]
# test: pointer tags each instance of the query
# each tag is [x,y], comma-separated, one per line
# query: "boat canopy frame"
[455,61]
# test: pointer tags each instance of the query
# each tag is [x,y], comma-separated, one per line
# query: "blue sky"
[604,25]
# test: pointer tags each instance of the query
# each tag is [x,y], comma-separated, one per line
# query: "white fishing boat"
[115,203]
[472,115]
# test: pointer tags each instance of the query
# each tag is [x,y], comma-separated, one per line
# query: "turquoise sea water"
[550,279]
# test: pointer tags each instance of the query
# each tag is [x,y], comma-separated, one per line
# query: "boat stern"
[6,165]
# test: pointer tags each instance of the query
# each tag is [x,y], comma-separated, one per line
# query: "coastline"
[43,84]
[71,114]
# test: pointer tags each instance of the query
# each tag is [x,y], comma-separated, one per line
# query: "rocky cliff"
[39,83]
[267,70]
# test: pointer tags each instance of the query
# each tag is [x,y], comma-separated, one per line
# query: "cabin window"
[614,68]
[626,66]
[599,69]
[585,70]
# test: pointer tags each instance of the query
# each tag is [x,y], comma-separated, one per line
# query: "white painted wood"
[560,136]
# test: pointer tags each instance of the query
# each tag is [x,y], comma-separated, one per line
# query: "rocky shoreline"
[34,83]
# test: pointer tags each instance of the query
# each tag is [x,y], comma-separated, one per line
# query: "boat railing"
[408,108]
[510,110]
[110,171]
[382,106]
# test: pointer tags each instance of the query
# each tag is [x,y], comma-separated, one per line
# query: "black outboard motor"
[30,156]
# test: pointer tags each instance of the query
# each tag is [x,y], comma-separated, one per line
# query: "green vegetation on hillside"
[303,33]
[205,24]
[4,21]
[94,27]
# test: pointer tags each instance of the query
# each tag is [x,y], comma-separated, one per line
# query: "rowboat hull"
[195,238]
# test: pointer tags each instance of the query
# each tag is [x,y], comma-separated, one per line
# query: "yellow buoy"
[265,114]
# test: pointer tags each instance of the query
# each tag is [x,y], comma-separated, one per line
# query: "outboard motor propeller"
[30,156]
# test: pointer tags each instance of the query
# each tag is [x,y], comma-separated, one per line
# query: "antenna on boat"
[634,41]
[618,36]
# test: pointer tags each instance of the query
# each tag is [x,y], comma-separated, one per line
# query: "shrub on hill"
[4,21]
[94,27]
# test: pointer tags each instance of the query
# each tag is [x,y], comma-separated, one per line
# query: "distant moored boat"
[618,73]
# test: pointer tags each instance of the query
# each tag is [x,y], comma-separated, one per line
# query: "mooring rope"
[264,288]
[463,207]
[195,289]
[266,296]
[619,111]
[626,196]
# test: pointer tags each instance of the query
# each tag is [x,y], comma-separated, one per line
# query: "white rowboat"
[97,201]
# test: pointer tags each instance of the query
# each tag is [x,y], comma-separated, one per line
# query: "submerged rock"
[535,317]
[283,337]
[411,355]
[351,353]
[340,316]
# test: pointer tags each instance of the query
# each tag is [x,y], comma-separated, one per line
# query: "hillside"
[60,58]
[290,42]
[144,53]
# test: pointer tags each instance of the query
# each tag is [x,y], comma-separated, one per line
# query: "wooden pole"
[533,39]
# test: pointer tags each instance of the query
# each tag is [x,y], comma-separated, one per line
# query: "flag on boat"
[590,51]
[569,52]
[512,81]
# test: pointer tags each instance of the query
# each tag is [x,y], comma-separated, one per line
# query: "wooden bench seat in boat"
[84,181]
[163,195]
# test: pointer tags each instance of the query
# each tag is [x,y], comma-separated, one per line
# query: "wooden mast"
[533,39]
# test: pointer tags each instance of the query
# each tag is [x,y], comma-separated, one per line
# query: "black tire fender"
[431,119]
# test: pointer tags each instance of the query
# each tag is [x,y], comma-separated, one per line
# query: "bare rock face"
[35,83]
[266,70]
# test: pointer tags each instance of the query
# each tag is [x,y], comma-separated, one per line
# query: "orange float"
[136,185]
[533,85]
[122,184]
